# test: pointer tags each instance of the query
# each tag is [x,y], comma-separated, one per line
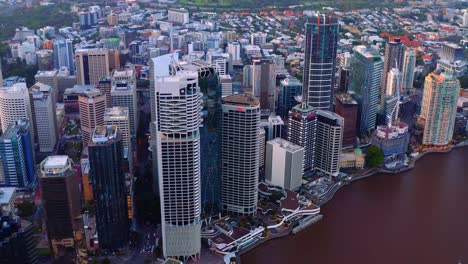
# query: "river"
[419,216]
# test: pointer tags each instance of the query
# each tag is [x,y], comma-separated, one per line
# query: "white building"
[176,148]
[45,118]
[329,142]
[234,50]
[180,16]
[123,93]
[15,105]
[118,116]
[226,85]
[283,164]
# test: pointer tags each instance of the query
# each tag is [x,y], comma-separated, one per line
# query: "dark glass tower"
[320,61]
[16,241]
[105,160]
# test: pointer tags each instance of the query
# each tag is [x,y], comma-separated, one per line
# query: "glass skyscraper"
[321,44]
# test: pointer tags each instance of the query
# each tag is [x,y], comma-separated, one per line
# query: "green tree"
[463,81]
[374,157]
[25,209]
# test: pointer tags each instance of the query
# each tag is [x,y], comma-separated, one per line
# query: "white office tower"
[409,64]
[239,153]
[284,161]
[123,93]
[226,85]
[465,18]
[234,50]
[45,117]
[177,137]
[118,116]
[394,80]
[329,141]
[179,16]
[15,105]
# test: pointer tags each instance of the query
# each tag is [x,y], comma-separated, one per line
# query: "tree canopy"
[374,157]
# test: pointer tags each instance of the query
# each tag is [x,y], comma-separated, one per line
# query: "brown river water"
[419,216]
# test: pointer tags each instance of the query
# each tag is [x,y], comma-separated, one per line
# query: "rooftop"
[346,98]
[288,146]
[6,193]
[244,100]
[116,112]
[53,162]
[103,134]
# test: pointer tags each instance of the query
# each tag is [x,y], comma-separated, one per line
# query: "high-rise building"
[302,131]
[465,18]
[123,93]
[290,88]
[17,156]
[284,163]
[258,39]
[44,117]
[105,160]
[178,15]
[63,54]
[394,80]
[347,107]
[1,75]
[264,83]
[14,105]
[45,60]
[409,64]
[234,50]
[452,59]
[17,241]
[226,85]
[118,116]
[328,143]
[439,107]
[61,201]
[59,80]
[343,72]
[176,148]
[239,153]
[321,42]
[94,64]
[92,105]
[394,55]
[104,85]
[364,85]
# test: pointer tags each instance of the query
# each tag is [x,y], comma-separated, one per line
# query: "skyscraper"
[104,85]
[176,148]
[105,160]
[239,153]
[289,88]
[18,244]
[123,93]
[394,54]
[61,201]
[302,131]
[92,106]
[44,115]
[17,156]
[347,107]
[364,85]
[118,116]
[329,142]
[63,54]
[321,42]
[439,107]
[264,83]
[14,105]
[94,64]
[409,64]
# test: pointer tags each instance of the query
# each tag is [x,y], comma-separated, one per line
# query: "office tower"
[1,74]
[61,201]
[273,125]
[394,80]
[290,88]
[17,156]
[465,18]
[123,93]
[118,116]
[347,107]
[45,60]
[284,163]
[239,153]
[226,85]
[92,105]
[176,147]
[343,72]
[179,16]
[321,43]
[258,39]
[302,126]
[262,145]
[63,54]
[105,160]
[104,85]
[394,54]
[264,83]
[17,241]
[88,19]
[247,76]
[452,59]
[409,64]
[439,107]
[392,140]
[44,117]
[364,85]
[14,105]
[94,64]
[234,50]
[59,80]
[328,144]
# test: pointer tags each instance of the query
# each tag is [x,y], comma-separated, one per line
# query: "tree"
[25,209]
[374,157]
[463,81]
